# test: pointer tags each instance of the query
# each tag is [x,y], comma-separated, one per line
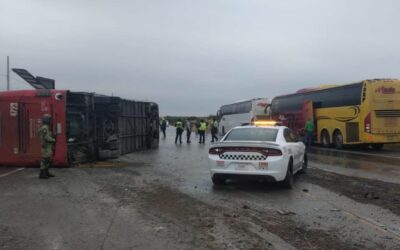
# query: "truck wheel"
[304,165]
[338,139]
[325,139]
[218,180]
[288,181]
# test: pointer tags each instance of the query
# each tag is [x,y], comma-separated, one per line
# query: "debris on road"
[383,194]
[283,212]
[371,195]
[158,229]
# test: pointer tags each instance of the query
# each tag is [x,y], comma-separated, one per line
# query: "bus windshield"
[241,113]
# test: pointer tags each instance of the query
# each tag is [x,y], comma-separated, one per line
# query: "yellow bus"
[365,113]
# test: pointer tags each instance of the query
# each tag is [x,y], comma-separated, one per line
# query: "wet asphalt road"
[164,199]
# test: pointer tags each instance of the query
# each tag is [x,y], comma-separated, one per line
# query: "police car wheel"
[218,180]
[288,181]
[304,165]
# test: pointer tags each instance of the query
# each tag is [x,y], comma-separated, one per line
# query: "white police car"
[264,150]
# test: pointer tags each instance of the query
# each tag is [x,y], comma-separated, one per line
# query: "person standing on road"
[214,130]
[308,132]
[188,127]
[47,142]
[268,112]
[163,126]
[197,124]
[179,131]
[202,131]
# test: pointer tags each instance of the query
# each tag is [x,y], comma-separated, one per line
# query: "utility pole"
[8,73]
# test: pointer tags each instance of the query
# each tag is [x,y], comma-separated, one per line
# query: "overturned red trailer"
[86,126]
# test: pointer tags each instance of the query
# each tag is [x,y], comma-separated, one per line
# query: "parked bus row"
[363,113]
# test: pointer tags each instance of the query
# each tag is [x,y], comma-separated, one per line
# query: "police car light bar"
[266,123]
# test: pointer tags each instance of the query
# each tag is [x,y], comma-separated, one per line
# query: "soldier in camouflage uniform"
[47,141]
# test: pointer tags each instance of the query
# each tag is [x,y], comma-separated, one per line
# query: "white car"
[268,151]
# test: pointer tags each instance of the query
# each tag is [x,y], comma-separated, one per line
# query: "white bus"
[242,113]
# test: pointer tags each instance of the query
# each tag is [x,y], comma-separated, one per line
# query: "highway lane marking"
[365,220]
[11,172]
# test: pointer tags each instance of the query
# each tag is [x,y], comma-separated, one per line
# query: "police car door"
[294,148]
[299,148]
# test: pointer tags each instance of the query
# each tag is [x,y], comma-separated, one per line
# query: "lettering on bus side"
[385,91]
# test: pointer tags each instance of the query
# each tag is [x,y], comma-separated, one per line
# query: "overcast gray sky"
[193,56]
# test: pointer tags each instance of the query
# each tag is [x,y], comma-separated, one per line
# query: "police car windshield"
[252,134]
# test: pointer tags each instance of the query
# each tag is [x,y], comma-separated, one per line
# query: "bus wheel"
[338,139]
[325,139]
[377,146]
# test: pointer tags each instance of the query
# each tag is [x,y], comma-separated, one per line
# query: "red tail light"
[367,123]
[264,151]
[274,152]
[215,151]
